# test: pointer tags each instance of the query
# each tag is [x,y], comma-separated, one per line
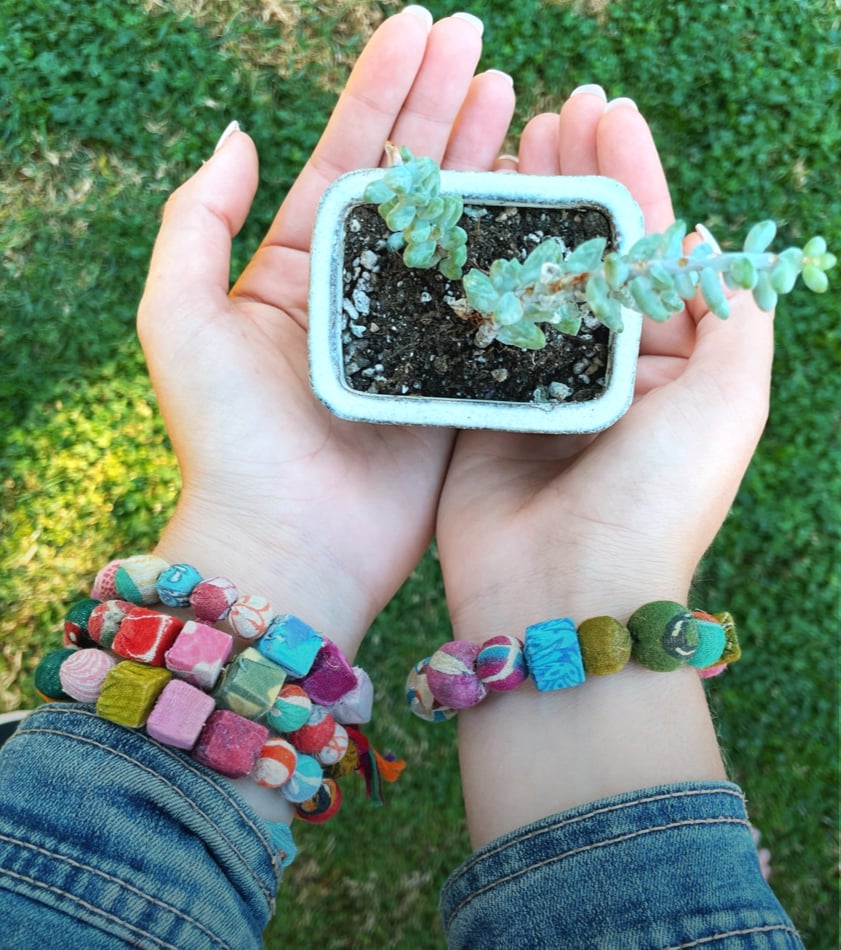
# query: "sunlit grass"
[112,105]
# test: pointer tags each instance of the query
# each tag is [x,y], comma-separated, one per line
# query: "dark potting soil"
[401,337]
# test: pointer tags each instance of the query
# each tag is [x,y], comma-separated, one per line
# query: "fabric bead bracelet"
[269,697]
[661,636]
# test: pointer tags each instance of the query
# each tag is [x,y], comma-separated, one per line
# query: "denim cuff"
[668,867]
[107,836]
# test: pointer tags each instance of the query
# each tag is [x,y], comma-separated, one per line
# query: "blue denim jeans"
[671,867]
[109,839]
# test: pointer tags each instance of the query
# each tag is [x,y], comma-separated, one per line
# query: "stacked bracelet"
[660,636]
[267,697]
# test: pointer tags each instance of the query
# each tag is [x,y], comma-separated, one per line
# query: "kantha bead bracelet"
[285,710]
[660,636]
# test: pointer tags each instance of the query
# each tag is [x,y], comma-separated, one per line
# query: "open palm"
[337,513]
[532,527]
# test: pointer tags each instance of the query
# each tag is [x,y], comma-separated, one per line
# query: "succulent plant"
[424,223]
[558,286]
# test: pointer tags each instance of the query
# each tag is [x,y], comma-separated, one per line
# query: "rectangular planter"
[328,322]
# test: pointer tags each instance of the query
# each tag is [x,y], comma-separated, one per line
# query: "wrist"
[288,570]
[508,608]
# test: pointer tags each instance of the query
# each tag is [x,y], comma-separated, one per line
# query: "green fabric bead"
[129,692]
[665,636]
[47,680]
[605,645]
[250,685]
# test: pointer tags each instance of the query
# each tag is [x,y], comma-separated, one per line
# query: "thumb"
[189,273]
[729,373]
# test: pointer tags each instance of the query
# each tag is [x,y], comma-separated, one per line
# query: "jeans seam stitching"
[150,771]
[592,814]
[767,928]
[590,847]
[97,911]
[52,855]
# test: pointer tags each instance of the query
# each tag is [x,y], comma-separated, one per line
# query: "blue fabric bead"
[176,583]
[292,644]
[553,654]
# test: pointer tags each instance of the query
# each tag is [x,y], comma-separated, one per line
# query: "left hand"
[324,517]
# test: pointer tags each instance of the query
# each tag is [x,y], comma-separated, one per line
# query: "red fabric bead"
[105,620]
[312,737]
[145,636]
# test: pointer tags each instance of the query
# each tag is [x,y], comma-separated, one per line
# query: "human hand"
[326,518]
[534,527]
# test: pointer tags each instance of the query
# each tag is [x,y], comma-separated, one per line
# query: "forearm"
[526,754]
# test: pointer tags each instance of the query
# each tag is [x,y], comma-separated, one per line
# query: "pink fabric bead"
[199,653]
[179,715]
[213,598]
[146,635]
[500,664]
[104,586]
[230,744]
[83,673]
[451,675]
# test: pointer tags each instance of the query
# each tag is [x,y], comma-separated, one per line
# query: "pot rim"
[484,188]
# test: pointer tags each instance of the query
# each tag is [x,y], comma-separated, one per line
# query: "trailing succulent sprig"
[423,221]
[557,286]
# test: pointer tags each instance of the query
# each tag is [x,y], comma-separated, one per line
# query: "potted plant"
[514,302]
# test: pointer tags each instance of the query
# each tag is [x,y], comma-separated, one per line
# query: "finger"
[627,152]
[438,93]
[578,130]
[190,263]
[482,123]
[361,122]
[539,146]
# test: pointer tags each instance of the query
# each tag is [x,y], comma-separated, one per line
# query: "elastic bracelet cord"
[268,697]
[661,636]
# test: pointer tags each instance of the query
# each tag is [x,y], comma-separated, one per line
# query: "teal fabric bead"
[553,654]
[292,644]
[712,642]
[176,583]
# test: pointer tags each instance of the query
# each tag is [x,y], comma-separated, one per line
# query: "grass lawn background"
[105,107]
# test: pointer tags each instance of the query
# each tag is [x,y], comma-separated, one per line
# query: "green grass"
[108,106]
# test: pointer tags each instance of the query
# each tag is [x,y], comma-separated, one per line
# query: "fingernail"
[229,131]
[590,89]
[620,102]
[499,72]
[420,12]
[472,20]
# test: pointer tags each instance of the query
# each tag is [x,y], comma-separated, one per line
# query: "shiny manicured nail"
[472,20]
[229,131]
[499,72]
[420,12]
[590,89]
[621,101]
